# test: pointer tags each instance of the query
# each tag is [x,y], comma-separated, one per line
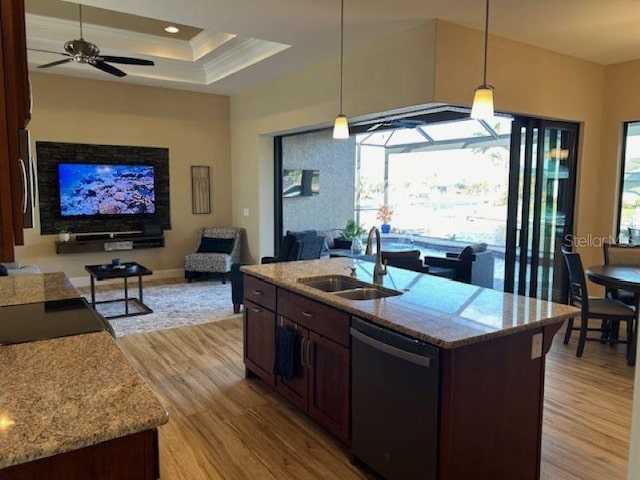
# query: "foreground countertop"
[433,309]
[66,393]
[40,287]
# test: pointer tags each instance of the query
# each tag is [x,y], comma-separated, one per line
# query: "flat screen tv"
[105,189]
[300,183]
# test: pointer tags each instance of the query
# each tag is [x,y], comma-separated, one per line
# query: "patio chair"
[474,264]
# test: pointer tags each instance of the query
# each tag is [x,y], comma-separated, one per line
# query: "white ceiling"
[246,42]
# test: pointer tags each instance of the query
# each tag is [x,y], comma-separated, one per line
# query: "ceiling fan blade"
[105,67]
[48,51]
[58,62]
[126,60]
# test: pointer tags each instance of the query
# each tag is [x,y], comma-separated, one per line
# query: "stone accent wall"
[50,154]
[335,159]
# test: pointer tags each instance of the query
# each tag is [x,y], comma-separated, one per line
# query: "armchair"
[305,245]
[473,265]
[218,249]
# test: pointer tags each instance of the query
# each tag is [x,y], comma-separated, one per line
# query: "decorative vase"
[356,246]
[385,228]
[63,236]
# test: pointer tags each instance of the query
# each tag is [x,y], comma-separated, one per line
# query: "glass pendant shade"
[482,108]
[341,127]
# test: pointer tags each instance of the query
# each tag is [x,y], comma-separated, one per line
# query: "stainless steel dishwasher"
[394,402]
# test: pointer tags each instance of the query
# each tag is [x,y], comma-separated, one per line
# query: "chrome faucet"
[379,270]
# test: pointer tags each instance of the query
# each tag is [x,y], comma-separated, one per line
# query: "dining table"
[620,277]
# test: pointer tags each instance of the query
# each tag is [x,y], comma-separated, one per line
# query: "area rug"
[173,306]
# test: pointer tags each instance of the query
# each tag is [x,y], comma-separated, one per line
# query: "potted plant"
[63,234]
[353,232]
[384,215]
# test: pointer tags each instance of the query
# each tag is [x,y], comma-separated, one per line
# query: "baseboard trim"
[85,281]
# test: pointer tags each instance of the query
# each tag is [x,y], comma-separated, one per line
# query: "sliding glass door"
[541,204]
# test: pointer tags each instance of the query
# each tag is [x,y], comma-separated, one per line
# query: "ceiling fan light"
[482,108]
[341,127]
[171,29]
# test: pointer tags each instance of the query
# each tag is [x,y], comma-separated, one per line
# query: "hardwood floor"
[225,427]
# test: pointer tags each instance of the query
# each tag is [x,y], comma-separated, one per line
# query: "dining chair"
[609,311]
[623,255]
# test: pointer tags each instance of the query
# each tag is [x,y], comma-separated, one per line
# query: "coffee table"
[125,271]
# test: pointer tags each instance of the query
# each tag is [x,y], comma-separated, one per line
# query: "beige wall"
[193,126]
[436,62]
[537,82]
[621,105]
[391,73]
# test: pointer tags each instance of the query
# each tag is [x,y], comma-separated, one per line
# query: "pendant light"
[341,125]
[482,108]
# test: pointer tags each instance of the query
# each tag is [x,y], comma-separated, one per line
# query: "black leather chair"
[610,312]
[473,265]
[305,245]
[302,246]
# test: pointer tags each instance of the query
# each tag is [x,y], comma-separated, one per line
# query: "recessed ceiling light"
[171,29]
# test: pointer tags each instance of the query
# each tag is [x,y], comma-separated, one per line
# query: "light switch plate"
[536,346]
[245,212]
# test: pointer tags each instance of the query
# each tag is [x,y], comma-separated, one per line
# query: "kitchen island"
[490,358]
[72,407]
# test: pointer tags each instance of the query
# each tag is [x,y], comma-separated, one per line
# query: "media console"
[105,243]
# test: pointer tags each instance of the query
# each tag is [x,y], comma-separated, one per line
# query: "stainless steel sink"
[366,293]
[333,283]
[349,287]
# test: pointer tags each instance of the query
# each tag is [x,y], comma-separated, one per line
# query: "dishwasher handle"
[390,350]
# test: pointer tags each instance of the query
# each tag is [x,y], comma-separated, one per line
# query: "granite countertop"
[21,289]
[433,309]
[66,393]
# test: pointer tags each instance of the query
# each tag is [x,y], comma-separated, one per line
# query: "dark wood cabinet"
[132,457]
[296,390]
[14,116]
[259,340]
[329,384]
[321,385]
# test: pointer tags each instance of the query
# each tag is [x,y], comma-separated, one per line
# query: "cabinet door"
[259,340]
[14,115]
[296,390]
[329,370]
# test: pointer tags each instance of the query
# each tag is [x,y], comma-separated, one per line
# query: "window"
[629,205]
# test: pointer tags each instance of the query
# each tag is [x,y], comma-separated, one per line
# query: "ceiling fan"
[81,51]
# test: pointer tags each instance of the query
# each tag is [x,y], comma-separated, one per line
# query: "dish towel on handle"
[287,353]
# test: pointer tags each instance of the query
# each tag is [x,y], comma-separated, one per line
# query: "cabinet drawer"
[318,317]
[260,292]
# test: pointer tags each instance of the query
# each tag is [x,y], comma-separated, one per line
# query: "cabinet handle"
[302,364]
[24,185]
[256,292]
[309,353]
[307,314]
[256,310]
